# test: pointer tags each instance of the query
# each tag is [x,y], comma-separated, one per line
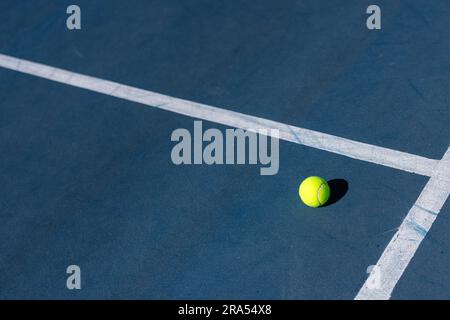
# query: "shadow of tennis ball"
[338,189]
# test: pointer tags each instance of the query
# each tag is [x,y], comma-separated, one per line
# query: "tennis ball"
[314,191]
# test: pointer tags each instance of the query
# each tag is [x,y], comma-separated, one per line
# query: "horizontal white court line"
[353,149]
[407,239]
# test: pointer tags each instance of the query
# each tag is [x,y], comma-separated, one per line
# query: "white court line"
[407,239]
[413,229]
[353,149]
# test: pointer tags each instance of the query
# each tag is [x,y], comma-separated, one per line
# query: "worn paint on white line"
[353,149]
[412,231]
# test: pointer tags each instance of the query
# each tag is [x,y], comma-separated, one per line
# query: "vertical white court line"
[407,239]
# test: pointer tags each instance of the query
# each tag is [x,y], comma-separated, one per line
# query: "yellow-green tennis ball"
[314,191]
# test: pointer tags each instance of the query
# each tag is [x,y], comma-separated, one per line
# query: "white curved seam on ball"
[318,191]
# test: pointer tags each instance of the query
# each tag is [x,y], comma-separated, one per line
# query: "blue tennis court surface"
[87,178]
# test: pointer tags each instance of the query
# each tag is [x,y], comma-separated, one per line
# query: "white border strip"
[353,149]
[407,239]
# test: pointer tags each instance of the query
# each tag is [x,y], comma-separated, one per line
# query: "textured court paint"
[412,231]
[353,149]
